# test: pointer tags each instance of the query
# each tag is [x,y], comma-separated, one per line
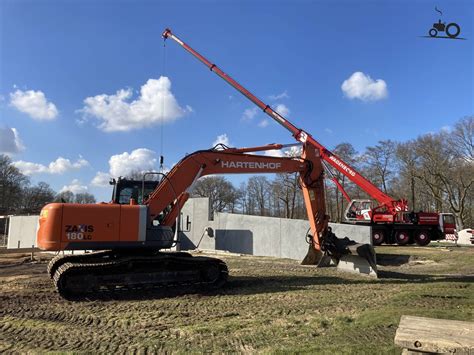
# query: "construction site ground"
[268,305]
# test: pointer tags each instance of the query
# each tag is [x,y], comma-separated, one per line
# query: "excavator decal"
[250,165]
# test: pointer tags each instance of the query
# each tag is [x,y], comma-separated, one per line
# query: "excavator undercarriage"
[93,274]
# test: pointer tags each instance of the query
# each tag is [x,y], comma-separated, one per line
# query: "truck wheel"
[423,238]
[402,238]
[377,237]
[455,32]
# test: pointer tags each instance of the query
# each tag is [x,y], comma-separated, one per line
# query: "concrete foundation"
[255,235]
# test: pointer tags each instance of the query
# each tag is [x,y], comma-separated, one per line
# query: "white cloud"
[363,87]
[264,123]
[328,130]
[75,187]
[101,179]
[59,166]
[282,110]
[155,104]
[293,151]
[222,139]
[249,113]
[283,95]
[34,103]
[10,142]
[139,160]
[274,153]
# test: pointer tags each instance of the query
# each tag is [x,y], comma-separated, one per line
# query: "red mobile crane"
[390,219]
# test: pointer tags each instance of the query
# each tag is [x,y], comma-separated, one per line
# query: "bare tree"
[12,184]
[445,172]
[380,162]
[461,139]
[407,159]
[222,194]
[347,152]
[84,197]
[65,197]
[259,191]
[36,197]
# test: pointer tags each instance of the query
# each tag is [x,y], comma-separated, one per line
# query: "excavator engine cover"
[70,226]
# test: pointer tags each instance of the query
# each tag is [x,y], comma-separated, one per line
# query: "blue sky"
[62,52]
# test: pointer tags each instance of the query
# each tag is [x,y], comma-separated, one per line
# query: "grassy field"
[269,305]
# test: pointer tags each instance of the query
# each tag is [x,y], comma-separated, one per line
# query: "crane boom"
[299,134]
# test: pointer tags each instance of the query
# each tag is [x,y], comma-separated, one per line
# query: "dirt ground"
[268,305]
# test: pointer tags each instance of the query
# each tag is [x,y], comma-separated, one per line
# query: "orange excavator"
[134,233]
[128,235]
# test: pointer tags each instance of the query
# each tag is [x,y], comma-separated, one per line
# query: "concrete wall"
[22,232]
[255,235]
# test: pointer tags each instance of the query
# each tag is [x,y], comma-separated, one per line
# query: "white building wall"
[22,232]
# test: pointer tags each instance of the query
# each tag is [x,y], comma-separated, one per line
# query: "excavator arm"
[174,188]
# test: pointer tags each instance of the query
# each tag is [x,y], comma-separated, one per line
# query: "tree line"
[434,172]
[19,196]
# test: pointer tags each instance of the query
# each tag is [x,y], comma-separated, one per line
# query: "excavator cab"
[127,189]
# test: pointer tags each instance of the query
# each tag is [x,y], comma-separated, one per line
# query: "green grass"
[269,306]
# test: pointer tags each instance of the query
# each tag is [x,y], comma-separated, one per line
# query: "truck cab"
[447,225]
[359,211]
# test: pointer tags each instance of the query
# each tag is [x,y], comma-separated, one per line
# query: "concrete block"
[22,232]
[253,235]
[293,244]
[357,233]
[357,265]
[194,221]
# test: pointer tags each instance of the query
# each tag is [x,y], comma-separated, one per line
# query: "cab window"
[448,219]
[127,193]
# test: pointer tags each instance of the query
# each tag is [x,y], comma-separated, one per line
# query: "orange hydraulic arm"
[173,190]
[332,159]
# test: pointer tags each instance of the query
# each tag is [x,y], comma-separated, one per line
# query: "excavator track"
[78,279]
[59,260]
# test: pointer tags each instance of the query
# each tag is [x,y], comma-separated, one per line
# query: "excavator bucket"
[348,255]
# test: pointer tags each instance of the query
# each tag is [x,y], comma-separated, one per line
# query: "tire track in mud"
[268,304]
